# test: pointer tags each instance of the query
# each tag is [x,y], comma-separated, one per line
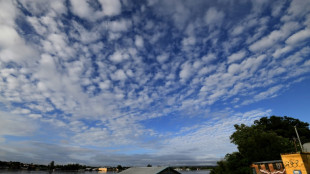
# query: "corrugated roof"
[144,170]
[268,162]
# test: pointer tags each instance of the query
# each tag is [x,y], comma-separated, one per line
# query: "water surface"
[86,172]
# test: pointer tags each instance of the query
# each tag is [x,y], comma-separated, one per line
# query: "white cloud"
[237,30]
[274,37]
[214,17]
[119,26]
[298,37]
[236,56]
[82,8]
[7,13]
[186,71]
[81,80]
[26,127]
[119,56]
[215,131]
[111,7]
[139,41]
[162,58]
[119,75]
[13,46]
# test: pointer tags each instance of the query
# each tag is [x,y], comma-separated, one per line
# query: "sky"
[161,82]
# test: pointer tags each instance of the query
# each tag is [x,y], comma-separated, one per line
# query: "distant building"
[150,170]
[106,169]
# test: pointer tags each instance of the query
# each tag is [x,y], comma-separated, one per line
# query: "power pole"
[301,148]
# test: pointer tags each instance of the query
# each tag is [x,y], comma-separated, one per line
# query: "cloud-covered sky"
[108,82]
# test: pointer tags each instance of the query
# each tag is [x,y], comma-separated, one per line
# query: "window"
[253,170]
[267,166]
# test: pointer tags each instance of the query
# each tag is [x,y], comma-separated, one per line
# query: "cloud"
[84,9]
[236,56]
[298,37]
[214,16]
[274,36]
[111,7]
[26,126]
[103,72]
[139,41]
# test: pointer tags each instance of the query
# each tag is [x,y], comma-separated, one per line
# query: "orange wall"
[297,161]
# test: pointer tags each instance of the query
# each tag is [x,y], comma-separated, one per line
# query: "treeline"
[194,167]
[19,166]
[265,140]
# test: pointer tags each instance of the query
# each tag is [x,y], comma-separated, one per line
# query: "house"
[268,167]
[106,169]
[291,163]
[150,170]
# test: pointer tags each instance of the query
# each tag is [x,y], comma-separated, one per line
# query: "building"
[106,169]
[296,163]
[268,167]
[150,170]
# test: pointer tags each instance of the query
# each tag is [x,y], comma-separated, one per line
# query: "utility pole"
[301,148]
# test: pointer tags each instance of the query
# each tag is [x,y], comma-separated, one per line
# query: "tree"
[284,126]
[265,140]
[256,144]
[52,165]
[119,168]
[233,163]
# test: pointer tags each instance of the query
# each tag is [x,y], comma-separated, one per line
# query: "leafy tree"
[265,140]
[255,144]
[284,126]
[52,165]
[233,163]
[119,168]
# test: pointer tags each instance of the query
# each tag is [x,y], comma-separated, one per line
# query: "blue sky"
[108,82]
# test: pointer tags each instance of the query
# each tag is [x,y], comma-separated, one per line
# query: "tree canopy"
[265,140]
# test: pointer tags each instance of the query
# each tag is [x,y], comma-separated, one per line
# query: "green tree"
[256,144]
[52,165]
[119,168]
[233,163]
[265,140]
[284,126]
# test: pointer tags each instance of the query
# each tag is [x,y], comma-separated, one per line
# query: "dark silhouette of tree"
[119,168]
[51,165]
[256,144]
[265,140]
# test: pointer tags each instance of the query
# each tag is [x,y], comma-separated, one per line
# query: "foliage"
[284,126]
[52,165]
[233,163]
[265,140]
[256,144]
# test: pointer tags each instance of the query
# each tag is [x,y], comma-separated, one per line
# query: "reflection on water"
[86,172]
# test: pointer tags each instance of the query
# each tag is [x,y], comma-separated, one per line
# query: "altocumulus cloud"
[108,82]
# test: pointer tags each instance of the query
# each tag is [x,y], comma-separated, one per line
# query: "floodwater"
[86,172]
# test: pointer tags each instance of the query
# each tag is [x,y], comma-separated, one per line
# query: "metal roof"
[146,170]
[267,162]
